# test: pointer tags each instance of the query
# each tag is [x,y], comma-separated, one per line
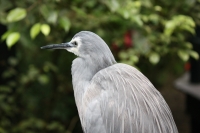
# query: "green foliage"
[16,14]
[177,23]
[183,55]
[45,29]
[35,30]
[154,58]
[37,94]
[65,23]
[12,38]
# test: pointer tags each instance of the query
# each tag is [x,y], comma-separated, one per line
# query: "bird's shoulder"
[119,71]
[118,67]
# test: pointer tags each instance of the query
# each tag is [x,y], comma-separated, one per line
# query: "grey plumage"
[112,97]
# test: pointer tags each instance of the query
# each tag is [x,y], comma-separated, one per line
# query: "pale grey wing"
[121,99]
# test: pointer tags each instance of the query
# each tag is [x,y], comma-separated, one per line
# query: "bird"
[113,97]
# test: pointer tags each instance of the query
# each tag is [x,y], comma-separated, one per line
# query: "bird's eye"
[75,43]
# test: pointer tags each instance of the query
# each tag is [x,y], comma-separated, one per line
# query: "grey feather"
[141,107]
[113,97]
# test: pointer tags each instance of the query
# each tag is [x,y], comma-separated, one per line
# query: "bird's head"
[85,44]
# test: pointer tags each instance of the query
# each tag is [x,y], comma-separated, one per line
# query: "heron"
[113,97]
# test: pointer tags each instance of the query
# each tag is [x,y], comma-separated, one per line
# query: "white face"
[75,50]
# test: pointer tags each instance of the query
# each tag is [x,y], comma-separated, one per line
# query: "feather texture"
[120,99]
[113,97]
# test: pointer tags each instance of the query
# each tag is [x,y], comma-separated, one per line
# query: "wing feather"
[125,102]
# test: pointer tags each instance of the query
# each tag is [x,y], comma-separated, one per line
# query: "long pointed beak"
[58,46]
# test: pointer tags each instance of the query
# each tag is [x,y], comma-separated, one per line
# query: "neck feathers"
[83,70]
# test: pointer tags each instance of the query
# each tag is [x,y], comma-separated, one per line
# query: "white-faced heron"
[112,97]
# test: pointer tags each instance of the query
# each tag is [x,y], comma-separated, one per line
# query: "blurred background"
[159,37]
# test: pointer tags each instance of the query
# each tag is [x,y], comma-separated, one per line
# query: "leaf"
[4,88]
[53,125]
[194,54]
[126,14]
[52,17]
[8,74]
[137,20]
[137,4]
[154,58]
[134,58]
[5,35]
[12,39]
[65,23]
[44,11]
[43,79]
[113,5]
[45,29]
[179,22]
[16,14]
[158,8]
[183,55]
[35,30]
[169,28]
[123,55]
[188,45]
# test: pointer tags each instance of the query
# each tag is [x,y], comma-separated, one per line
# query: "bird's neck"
[82,74]
[83,71]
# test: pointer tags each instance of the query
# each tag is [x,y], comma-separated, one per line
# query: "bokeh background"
[36,94]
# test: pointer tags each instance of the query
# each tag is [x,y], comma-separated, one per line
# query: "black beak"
[58,46]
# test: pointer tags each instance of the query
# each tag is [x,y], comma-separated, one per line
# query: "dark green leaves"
[14,15]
